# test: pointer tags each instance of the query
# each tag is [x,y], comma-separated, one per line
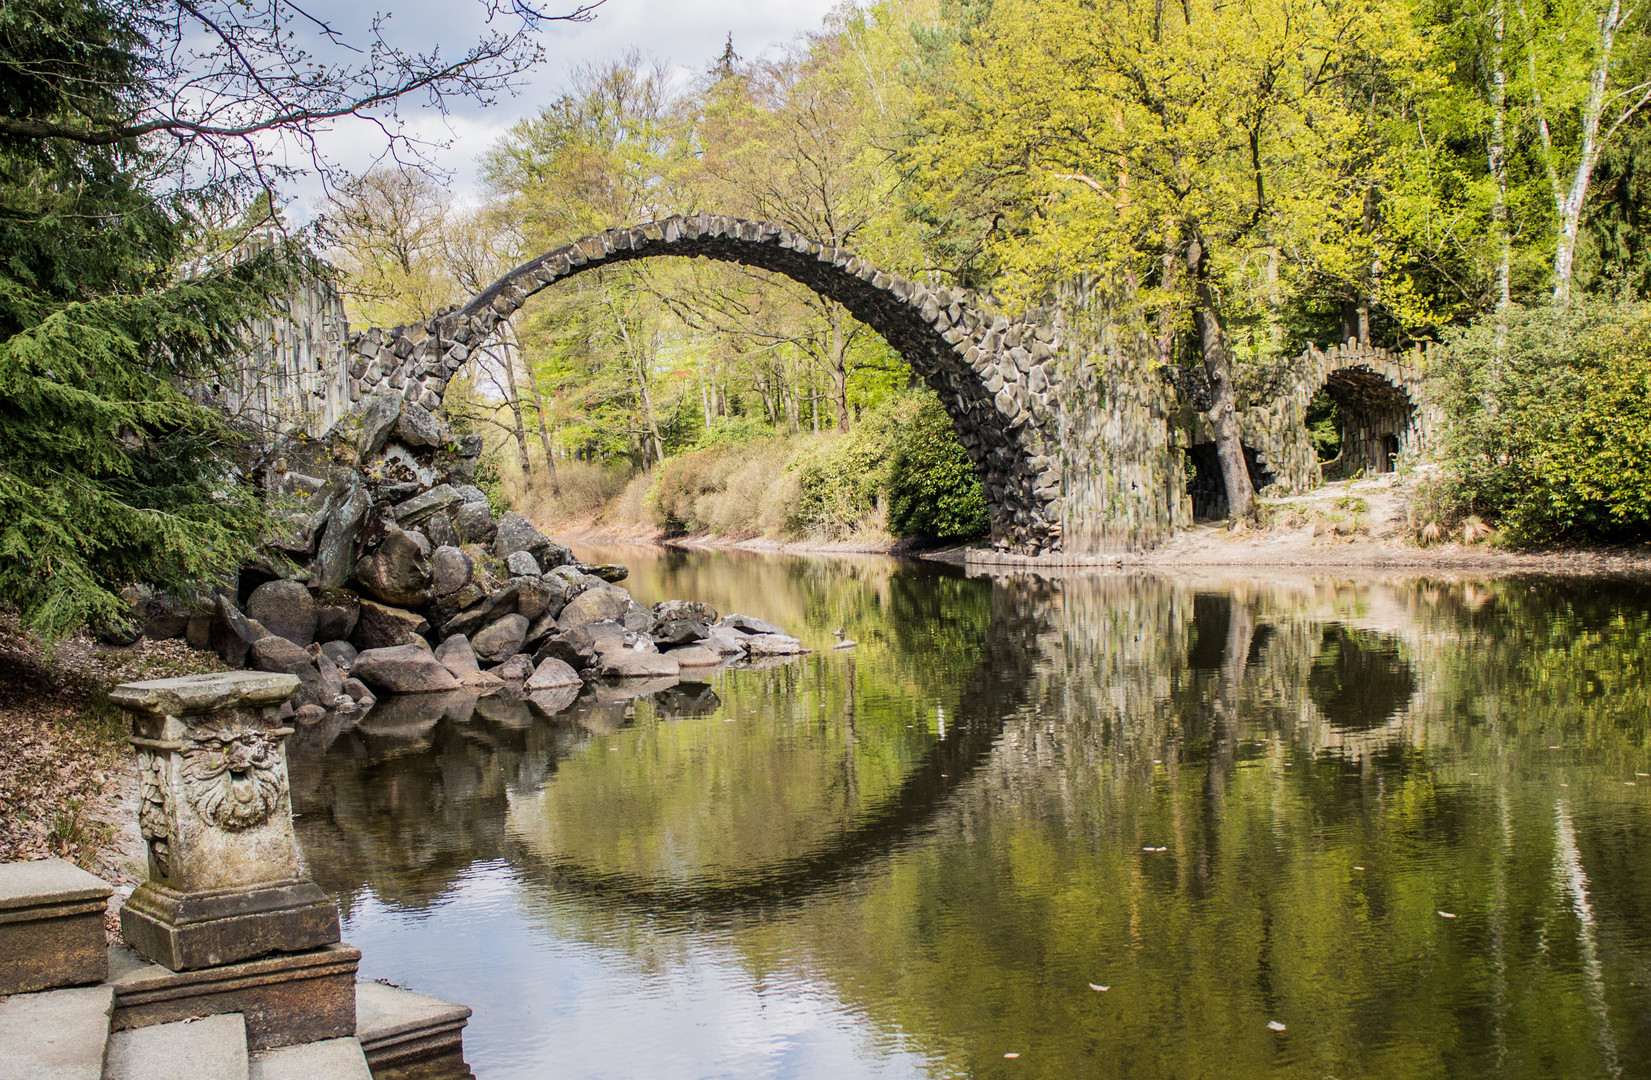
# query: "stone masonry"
[1082,443]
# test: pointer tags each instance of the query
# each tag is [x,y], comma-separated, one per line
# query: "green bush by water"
[1550,436]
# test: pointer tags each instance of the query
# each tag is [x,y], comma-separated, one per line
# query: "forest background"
[1245,178]
[1240,178]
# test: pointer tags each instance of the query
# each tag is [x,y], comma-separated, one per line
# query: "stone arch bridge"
[1080,443]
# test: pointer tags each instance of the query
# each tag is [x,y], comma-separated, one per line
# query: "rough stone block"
[190,931]
[51,926]
[288,999]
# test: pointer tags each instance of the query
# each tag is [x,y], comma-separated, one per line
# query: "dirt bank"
[1361,524]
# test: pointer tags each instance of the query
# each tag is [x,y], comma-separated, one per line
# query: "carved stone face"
[234,779]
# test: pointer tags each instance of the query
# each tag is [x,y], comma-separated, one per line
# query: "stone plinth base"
[191,931]
[408,1036]
[286,999]
[51,927]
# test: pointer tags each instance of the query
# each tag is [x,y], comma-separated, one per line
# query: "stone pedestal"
[287,999]
[51,926]
[215,810]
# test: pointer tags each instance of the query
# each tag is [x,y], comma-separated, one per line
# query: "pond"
[1105,825]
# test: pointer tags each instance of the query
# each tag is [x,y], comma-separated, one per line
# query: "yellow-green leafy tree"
[1201,155]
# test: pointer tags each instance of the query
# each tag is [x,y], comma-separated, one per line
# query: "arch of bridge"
[996,377]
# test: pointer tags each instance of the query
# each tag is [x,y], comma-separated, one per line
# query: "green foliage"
[733,431]
[934,490]
[110,473]
[1551,434]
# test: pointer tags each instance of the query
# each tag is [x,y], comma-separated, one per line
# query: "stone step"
[410,1036]
[330,1059]
[51,926]
[212,1048]
[55,1035]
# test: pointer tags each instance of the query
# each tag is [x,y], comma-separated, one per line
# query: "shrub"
[1551,435]
[933,488]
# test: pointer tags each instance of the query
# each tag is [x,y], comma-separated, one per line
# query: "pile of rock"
[390,573]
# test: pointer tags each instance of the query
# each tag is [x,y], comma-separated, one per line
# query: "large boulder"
[161,616]
[450,570]
[418,426]
[232,633]
[474,523]
[378,420]
[286,609]
[678,631]
[456,655]
[518,668]
[516,533]
[693,610]
[522,564]
[439,528]
[501,638]
[421,506]
[403,669]
[595,605]
[537,598]
[399,571]
[550,674]
[336,614]
[335,554]
[631,664]
[773,645]
[277,654]
[695,656]
[745,624]
[580,647]
[381,626]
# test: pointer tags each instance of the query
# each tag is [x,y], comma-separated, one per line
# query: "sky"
[686,35]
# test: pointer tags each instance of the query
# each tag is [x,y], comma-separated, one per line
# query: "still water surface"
[1405,818]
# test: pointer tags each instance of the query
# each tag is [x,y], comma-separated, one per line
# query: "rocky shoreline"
[390,574]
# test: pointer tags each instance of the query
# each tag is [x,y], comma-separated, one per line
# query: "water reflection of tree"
[1222,721]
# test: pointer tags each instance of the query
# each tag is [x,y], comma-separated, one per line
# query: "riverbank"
[1363,524]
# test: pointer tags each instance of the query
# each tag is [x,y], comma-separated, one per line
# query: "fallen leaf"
[1274,1025]
[1447,915]
[1098,988]
[1358,868]
[1011,1055]
[1163,849]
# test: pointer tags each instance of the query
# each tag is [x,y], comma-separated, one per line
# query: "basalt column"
[214,808]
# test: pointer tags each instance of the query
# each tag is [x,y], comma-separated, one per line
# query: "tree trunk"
[1166,313]
[1498,161]
[839,365]
[539,413]
[1223,416]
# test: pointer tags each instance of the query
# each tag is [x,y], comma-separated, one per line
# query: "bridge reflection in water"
[1229,801]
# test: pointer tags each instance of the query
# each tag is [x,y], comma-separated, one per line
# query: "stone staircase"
[236,970]
[75,1010]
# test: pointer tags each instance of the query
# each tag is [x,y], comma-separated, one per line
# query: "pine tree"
[110,473]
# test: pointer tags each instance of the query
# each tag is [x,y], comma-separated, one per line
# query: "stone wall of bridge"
[1085,445]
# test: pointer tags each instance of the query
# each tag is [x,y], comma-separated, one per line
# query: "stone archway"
[1389,411]
[994,375]
[1376,420]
